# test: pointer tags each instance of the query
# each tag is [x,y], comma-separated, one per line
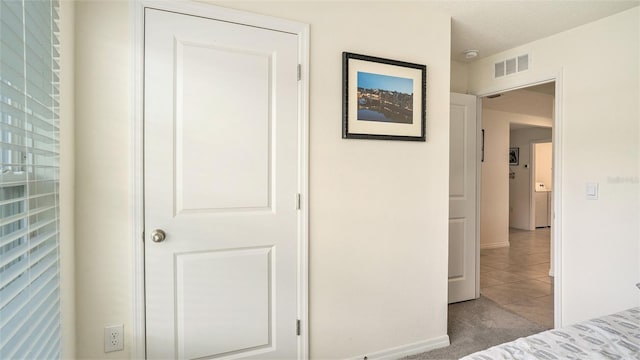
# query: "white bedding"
[610,337]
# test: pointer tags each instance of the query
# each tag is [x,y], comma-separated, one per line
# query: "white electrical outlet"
[113,338]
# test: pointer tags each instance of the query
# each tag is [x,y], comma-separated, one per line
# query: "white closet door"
[221,168]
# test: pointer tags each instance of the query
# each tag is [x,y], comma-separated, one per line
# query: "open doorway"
[515,210]
[514,292]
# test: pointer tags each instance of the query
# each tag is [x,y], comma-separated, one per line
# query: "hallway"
[517,277]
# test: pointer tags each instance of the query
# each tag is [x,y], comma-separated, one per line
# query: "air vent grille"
[511,66]
[499,69]
[523,62]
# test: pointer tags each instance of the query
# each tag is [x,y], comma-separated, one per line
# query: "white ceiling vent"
[523,62]
[511,66]
[498,69]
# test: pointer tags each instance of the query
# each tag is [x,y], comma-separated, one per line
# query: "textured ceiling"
[495,26]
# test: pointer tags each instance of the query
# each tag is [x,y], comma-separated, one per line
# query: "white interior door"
[221,180]
[463,164]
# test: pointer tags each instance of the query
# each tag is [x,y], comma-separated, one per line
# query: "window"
[29,138]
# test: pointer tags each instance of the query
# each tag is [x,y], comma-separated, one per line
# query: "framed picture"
[383,99]
[514,156]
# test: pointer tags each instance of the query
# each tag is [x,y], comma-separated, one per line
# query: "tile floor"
[517,277]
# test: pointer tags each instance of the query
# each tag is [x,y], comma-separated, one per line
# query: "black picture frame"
[375,100]
[514,156]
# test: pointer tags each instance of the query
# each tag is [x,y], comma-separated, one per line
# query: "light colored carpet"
[477,325]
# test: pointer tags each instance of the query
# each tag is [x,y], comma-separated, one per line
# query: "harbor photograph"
[385,98]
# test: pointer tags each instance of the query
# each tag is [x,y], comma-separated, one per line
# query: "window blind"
[29,180]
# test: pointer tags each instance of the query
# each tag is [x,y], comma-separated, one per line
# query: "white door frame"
[479,160]
[557,180]
[138,342]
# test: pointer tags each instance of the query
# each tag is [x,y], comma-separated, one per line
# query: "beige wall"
[599,137]
[537,106]
[103,174]
[459,77]
[494,191]
[67,153]
[520,186]
[378,217]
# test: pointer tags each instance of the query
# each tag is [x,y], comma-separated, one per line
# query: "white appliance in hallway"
[543,175]
[543,205]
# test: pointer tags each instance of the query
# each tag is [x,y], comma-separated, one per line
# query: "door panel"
[225,182]
[456,248]
[463,158]
[221,174]
[229,288]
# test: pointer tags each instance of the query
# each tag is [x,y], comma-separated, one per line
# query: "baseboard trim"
[406,350]
[494,245]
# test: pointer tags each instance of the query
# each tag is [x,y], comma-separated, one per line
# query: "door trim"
[479,159]
[557,179]
[301,30]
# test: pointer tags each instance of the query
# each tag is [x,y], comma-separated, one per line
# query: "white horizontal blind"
[29,138]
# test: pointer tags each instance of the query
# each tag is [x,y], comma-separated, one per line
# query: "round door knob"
[158,235]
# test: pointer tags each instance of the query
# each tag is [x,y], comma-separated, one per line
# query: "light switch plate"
[592,191]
